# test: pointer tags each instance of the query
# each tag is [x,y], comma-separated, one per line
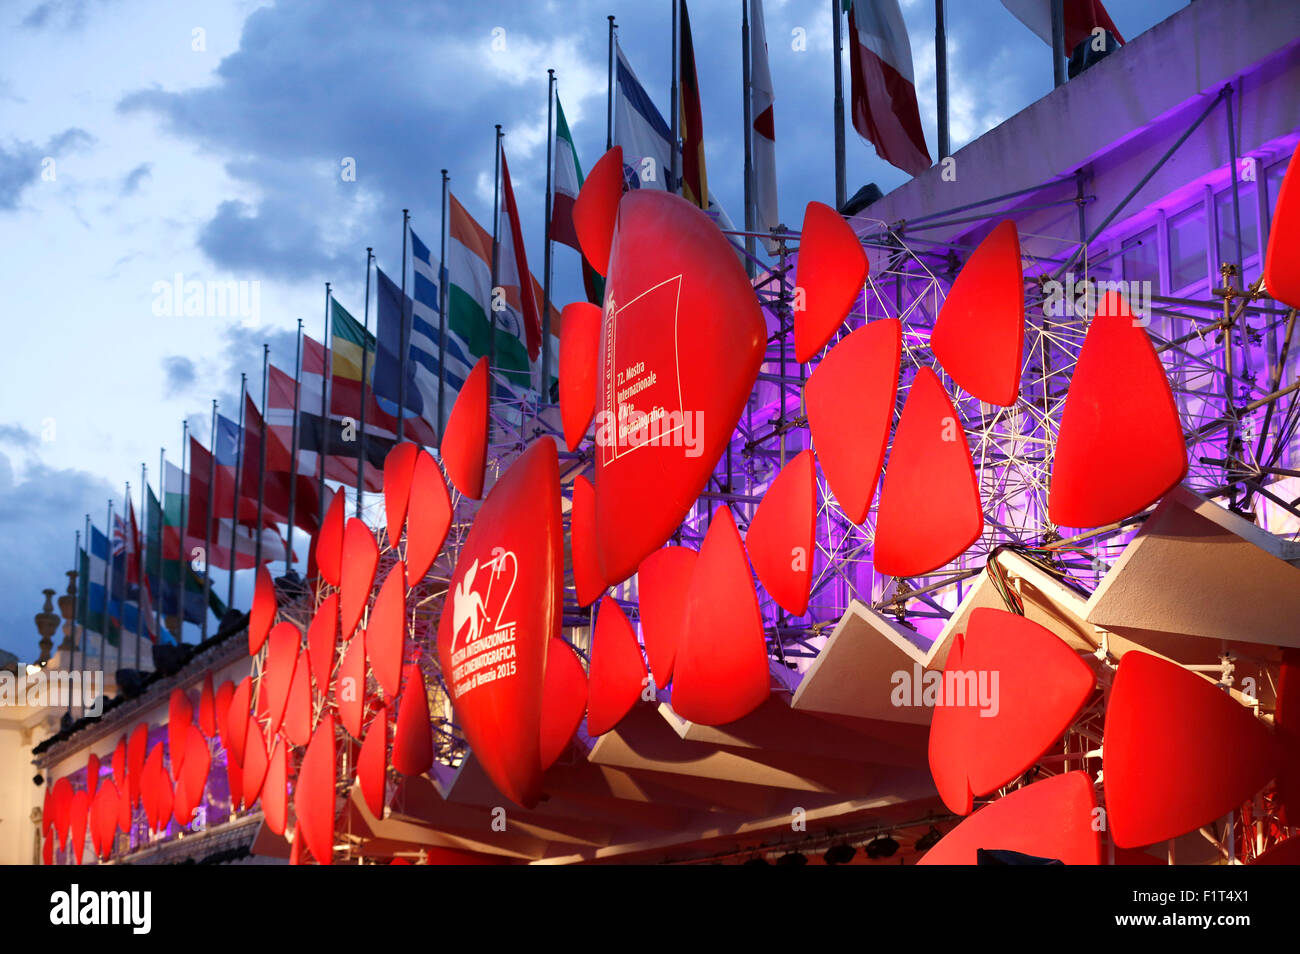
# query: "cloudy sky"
[142,139]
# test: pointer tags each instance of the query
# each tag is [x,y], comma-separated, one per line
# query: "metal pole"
[139,560]
[443,275]
[674,107]
[162,540]
[293,450]
[1058,42]
[941,74]
[496,256]
[404,335]
[234,515]
[546,246]
[181,561]
[261,462]
[326,376]
[365,353]
[207,531]
[609,103]
[747,96]
[840,188]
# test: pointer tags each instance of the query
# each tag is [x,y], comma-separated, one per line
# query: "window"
[1187,252]
[1272,183]
[1140,259]
[1227,228]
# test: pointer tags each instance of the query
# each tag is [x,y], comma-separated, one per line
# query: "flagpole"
[403,336]
[545,387]
[443,274]
[181,561]
[261,463]
[1058,42]
[108,598]
[674,107]
[609,103]
[239,465]
[139,561]
[85,617]
[365,353]
[293,449]
[836,28]
[207,530]
[325,380]
[941,74]
[162,539]
[78,616]
[749,128]
[496,256]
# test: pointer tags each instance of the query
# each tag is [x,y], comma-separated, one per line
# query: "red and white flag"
[763,137]
[1081,18]
[884,87]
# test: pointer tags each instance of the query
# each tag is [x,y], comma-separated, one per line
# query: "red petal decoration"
[596,209]
[682,339]
[663,583]
[297,713]
[564,700]
[78,817]
[430,518]
[506,589]
[1283,853]
[1120,446]
[275,792]
[584,558]
[238,719]
[329,541]
[780,537]
[1286,720]
[1179,752]
[136,749]
[235,776]
[413,738]
[721,673]
[850,398]
[360,558]
[153,778]
[372,763]
[92,775]
[618,672]
[1029,685]
[255,764]
[119,764]
[208,707]
[930,503]
[166,798]
[464,440]
[579,345]
[103,818]
[124,813]
[1282,260]
[180,716]
[386,630]
[262,613]
[194,776]
[979,336]
[831,270]
[221,710]
[322,637]
[1048,819]
[313,798]
[350,693]
[399,469]
[61,800]
[277,673]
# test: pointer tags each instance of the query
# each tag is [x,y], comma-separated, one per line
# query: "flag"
[280,412]
[568,179]
[278,478]
[695,180]
[219,555]
[231,497]
[94,574]
[883,86]
[181,585]
[1081,18]
[137,589]
[763,132]
[513,273]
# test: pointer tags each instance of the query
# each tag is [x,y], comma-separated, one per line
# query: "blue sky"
[207,139]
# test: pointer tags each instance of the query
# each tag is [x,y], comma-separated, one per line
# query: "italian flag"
[568,180]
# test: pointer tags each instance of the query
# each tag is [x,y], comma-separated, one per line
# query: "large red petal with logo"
[180,716]
[329,541]
[504,606]
[780,537]
[564,700]
[255,763]
[386,629]
[430,518]
[372,763]
[350,690]
[238,719]
[413,737]
[322,636]
[579,344]
[721,671]
[596,209]
[1048,819]
[360,558]
[399,469]
[1179,752]
[618,671]
[682,339]
[830,272]
[297,711]
[1120,446]
[277,675]
[1282,260]
[208,707]
[979,336]
[930,503]
[584,558]
[998,729]
[850,398]
[313,797]
[464,440]
[663,585]
[275,791]
[262,613]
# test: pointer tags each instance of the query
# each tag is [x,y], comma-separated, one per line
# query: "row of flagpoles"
[355,394]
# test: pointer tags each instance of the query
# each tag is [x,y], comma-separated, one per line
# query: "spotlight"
[839,854]
[929,839]
[881,847]
[793,858]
